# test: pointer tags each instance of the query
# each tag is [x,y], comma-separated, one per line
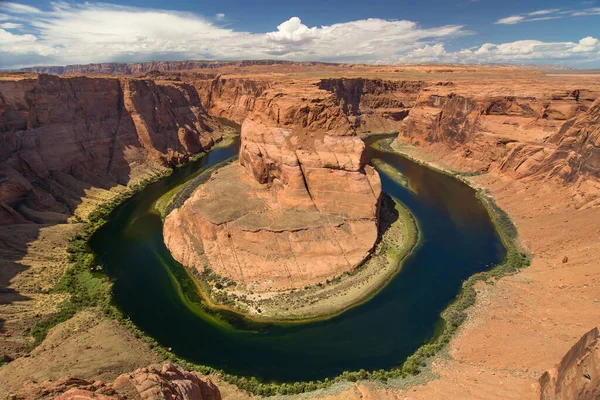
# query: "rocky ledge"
[166,382]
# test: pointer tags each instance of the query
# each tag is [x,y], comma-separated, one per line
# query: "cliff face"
[300,208]
[62,136]
[231,98]
[577,376]
[533,137]
[374,105]
[573,153]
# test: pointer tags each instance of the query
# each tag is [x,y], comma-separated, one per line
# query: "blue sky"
[463,31]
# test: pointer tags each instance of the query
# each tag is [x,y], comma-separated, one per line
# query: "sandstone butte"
[533,139]
[300,208]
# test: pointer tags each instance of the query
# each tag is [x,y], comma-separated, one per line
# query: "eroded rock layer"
[539,136]
[63,136]
[165,383]
[300,208]
[577,376]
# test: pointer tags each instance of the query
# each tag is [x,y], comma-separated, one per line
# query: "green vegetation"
[391,172]
[177,196]
[83,281]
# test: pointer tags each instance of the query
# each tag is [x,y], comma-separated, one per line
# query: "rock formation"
[374,105]
[61,136]
[167,382]
[300,208]
[535,135]
[577,376]
[538,137]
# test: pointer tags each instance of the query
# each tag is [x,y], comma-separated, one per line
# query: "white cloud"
[16,8]
[521,51]
[10,25]
[515,19]
[220,16]
[587,44]
[589,11]
[545,12]
[98,32]
[293,31]
[542,15]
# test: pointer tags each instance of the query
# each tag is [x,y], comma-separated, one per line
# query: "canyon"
[531,140]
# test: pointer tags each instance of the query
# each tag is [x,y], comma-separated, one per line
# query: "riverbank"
[398,235]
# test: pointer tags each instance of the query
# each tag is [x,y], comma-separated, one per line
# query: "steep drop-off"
[535,137]
[577,376]
[63,136]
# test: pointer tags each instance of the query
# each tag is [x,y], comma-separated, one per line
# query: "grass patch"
[83,281]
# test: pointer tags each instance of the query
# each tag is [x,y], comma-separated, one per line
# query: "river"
[457,240]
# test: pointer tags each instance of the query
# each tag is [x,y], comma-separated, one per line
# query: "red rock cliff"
[61,136]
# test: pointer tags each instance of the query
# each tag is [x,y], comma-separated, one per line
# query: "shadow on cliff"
[68,141]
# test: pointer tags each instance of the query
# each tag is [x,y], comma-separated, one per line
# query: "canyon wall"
[63,136]
[374,105]
[577,376]
[535,137]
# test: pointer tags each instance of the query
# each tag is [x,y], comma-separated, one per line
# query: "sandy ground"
[87,345]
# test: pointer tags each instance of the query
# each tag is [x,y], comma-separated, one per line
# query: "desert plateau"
[299,225]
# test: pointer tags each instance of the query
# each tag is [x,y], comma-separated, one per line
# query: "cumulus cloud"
[293,31]
[97,32]
[220,16]
[521,51]
[542,15]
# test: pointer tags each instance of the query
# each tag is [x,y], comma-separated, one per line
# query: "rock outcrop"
[300,208]
[534,137]
[62,136]
[161,383]
[577,376]
[374,105]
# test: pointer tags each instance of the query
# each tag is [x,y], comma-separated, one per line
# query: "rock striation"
[300,208]
[577,376]
[374,105]
[165,383]
[537,137]
[62,136]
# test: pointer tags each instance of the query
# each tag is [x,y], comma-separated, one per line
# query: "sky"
[369,31]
